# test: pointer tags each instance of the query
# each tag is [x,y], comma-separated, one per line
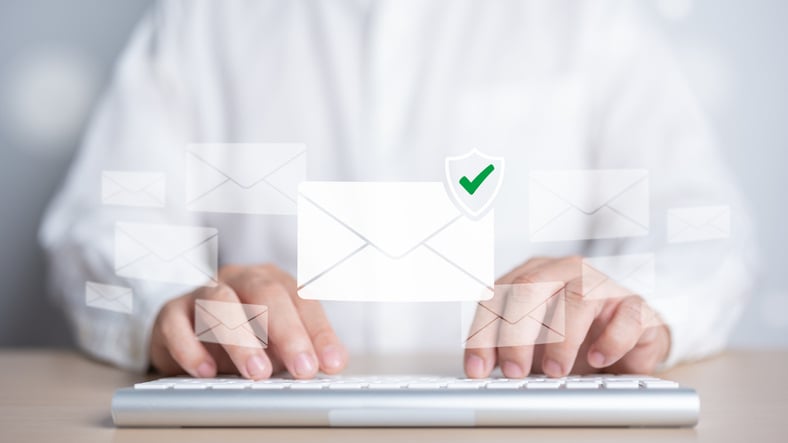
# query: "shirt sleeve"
[648,116]
[140,125]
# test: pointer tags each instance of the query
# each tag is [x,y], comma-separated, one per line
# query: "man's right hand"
[300,338]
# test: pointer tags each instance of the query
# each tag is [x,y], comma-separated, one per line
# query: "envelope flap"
[589,190]
[246,163]
[164,241]
[229,314]
[392,216]
[108,292]
[699,217]
[133,181]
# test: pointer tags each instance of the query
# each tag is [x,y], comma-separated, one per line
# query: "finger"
[524,324]
[650,351]
[332,354]
[576,314]
[182,347]
[482,336]
[218,307]
[620,335]
[288,337]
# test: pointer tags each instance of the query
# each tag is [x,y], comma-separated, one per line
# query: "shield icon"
[473,180]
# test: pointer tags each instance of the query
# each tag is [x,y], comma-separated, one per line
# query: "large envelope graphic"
[390,242]
[588,204]
[186,255]
[699,223]
[624,275]
[246,178]
[109,297]
[518,315]
[144,189]
[231,323]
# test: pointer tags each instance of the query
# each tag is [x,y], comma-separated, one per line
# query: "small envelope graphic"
[699,223]
[109,297]
[186,255]
[619,276]
[245,178]
[231,323]
[124,188]
[518,315]
[378,241]
[588,204]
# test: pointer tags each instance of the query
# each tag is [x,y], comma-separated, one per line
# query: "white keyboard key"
[308,386]
[272,386]
[192,386]
[582,384]
[386,385]
[545,384]
[150,385]
[347,386]
[509,384]
[426,385]
[622,384]
[467,385]
[660,384]
[236,386]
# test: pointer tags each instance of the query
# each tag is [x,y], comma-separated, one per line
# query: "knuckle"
[223,292]
[632,310]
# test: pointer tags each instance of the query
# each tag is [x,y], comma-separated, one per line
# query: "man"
[384,91]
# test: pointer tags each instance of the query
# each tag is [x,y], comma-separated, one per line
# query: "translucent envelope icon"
[145,189]
[246,178]
[518,315]
[624,275]
[109,297]
[390,242]
[231,323]
[175,254]
[579,205]
[699,223]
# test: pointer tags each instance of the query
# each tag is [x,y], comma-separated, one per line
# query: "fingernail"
[596,359]
[255,366]
[304,365]
[205,370]
[649,335]
[331,357]
[552,368]
[474,366]
[512,370]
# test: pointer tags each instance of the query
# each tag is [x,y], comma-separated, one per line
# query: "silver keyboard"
[413,382]
[591,400]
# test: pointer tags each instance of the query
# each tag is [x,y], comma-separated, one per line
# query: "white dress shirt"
[384,91]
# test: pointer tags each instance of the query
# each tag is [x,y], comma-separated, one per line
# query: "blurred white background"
[56,58]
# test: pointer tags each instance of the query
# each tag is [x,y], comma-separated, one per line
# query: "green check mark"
[472,186]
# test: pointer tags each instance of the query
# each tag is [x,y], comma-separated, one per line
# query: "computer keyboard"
[396,400]
[413,382]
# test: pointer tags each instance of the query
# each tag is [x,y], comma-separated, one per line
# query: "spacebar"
[401,417]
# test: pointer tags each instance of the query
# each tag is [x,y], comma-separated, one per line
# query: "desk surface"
[61,396]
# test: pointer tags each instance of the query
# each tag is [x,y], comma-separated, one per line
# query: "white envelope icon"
[619,276]
[390,242]
[246,178]
[699,223]
[518,315]
[186,255]
[109,297]
[145,189]
[579,205]
[231,323]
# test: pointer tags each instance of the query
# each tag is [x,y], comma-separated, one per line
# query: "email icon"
[230,323]
[588,204]
[244,178]
[619,276]
[698,223]
[383,241]
[186,255]
[124,188]
[109,297]
[518,315]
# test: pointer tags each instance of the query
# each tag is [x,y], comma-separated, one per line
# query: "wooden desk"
[59,396]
